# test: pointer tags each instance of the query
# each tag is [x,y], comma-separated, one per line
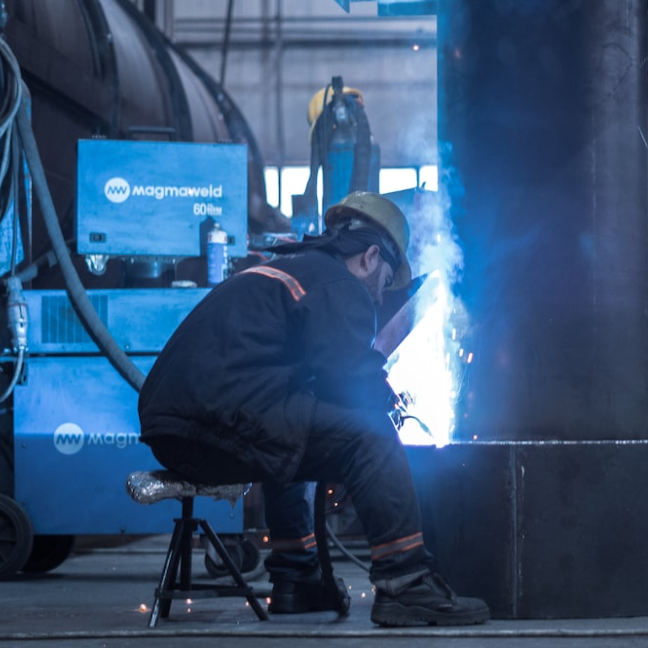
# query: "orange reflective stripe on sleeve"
[402,544]
[296,290]
[294,544]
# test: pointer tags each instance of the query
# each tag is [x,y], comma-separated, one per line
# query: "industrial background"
[521,129]
[273,56]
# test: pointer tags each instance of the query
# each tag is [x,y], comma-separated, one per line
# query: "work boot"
[295,597]
[428,600]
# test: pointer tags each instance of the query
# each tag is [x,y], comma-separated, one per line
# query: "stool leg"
[188,528]
[234,570]
[161,607]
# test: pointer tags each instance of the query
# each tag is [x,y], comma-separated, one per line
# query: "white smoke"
[428,365]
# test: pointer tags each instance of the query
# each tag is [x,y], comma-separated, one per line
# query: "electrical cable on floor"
[338,544]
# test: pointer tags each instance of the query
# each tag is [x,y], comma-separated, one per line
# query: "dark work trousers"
[358,448]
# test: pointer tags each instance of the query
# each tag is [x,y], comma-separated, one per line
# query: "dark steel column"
[542,121]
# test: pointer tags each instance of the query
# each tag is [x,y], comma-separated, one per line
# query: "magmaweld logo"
[69,438]
[117,190]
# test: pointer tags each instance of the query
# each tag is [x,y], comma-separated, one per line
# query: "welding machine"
[147,205]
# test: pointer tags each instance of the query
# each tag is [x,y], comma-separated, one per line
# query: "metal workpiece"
[540,530]
[542,117]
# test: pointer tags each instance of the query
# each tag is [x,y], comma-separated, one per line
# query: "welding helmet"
[378,211]
[316,104]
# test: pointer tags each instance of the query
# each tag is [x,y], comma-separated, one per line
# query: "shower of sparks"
[422,367]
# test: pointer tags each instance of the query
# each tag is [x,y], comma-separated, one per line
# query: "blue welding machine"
[150,198]
[76,427]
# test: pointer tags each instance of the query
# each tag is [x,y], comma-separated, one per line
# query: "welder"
[272,378]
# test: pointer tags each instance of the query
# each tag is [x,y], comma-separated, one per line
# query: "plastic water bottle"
[216,255]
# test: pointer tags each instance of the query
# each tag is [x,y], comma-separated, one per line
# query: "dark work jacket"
[244,370]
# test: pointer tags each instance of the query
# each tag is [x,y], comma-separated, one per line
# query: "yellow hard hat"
[377,209]
[316,104]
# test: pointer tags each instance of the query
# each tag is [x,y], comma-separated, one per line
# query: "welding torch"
[399,411]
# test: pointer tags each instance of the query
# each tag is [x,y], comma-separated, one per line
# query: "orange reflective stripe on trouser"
[294,544]
[296,290]
[402,544]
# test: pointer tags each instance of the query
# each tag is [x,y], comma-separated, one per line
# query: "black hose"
[334,586]
[362,153]
[343,550]
[75,290]
[226,42]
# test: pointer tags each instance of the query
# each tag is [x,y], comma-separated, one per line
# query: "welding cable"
[13,199]
[331,534]
[75,290]
[345,552]
[46,260]
[18,322]
[11,103]
[10,108]
[424,427]
[16,375]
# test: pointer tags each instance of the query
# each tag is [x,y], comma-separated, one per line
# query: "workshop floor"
[100,596]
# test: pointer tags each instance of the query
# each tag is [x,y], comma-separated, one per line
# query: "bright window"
[395,179]
[295,178]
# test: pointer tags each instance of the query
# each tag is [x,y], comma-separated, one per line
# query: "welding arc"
[75,290]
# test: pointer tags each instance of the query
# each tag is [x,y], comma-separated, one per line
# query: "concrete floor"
[99,597]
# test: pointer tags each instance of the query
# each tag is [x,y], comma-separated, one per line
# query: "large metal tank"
[99,68]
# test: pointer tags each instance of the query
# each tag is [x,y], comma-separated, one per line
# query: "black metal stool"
[148,487]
